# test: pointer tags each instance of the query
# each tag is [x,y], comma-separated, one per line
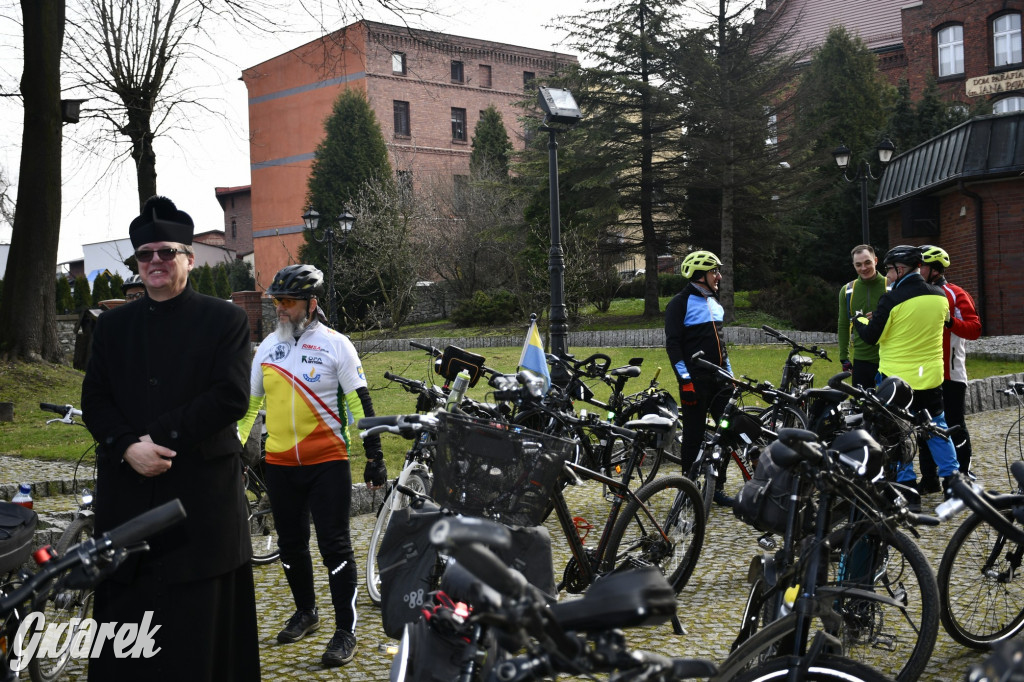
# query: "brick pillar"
[251,303]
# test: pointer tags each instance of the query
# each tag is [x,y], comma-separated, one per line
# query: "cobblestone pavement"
[709,607]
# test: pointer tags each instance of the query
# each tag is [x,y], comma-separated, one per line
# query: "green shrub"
[498,307]
[807,302]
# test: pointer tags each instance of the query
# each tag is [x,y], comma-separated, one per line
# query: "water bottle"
[24,496]
[458,391]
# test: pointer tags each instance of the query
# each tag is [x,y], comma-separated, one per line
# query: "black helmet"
[131,283]
[906,255]
[297,281]
[896,392]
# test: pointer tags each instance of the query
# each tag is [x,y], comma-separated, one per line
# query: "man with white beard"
[315,388]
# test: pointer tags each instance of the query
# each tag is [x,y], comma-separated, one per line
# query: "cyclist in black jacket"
[693,322]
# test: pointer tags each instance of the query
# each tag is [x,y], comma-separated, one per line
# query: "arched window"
[1008,105]
[1006,39]
[950,42]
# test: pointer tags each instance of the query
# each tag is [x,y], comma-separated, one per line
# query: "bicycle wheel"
[823,669]
[663,525]
[261,520]
[981,591]
[884,590]
[61,607]
[777,417]
[394,501]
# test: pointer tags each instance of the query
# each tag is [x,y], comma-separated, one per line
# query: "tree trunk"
[28,325]
[145,160]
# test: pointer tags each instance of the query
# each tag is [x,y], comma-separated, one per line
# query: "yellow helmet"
[933,254]
[699,261]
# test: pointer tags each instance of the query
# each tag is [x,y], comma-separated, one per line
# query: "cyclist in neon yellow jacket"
[908,326]
[315,390]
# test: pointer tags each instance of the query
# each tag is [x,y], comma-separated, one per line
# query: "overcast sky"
[99,202]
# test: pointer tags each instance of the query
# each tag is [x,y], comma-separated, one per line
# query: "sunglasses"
[286,302]
[134,296]
[165,254]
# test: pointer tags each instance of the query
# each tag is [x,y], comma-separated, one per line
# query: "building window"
[458,124]
[460,194]
[485,76]
[458,76]
[951,50]
[403,180]
[234,229]
[1008,105]
[402,126]
[773,130]
[1006,40]
[528,78]
[398,62]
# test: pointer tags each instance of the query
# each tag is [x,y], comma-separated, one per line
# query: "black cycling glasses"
[165,254]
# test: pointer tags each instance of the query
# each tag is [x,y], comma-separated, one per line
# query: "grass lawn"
[26,385]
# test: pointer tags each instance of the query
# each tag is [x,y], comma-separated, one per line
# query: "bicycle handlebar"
[820,352]
[977,500]
[920,419]
[1016,387]
[427,347]
[96,554]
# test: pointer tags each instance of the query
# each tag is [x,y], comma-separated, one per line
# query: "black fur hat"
[161,221]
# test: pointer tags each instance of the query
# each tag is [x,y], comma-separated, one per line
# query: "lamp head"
[311,218]
[558,105]
[885,151]
[842,156]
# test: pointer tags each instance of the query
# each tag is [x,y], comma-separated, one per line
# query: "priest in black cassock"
[167,380]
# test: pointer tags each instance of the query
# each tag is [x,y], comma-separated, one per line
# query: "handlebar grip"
[387,420]
[771,332]
[463,537]
[53,407]
[1017,469]
[923,520]
[427,347]
[146,524]
[837,383]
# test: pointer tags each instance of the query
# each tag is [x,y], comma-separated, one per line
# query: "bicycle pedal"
[767,542]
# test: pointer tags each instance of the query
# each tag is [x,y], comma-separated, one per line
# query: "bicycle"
[981,593]
[262,532]
[82,567]
[844,562]
[660,524]
[415,473]
[67,606]
[740,430]
[488,623]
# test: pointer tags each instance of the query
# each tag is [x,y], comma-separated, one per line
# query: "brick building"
[236,202]
[427,90]
[962,190]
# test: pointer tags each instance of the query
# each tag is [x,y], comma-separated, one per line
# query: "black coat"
[177,370]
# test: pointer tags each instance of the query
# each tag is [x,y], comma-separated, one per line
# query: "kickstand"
[677,627]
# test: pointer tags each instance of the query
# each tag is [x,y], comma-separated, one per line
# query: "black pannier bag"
[17,529]
[408,566]
[530,554]
[763,501]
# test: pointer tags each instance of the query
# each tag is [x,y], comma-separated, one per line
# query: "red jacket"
[964,324]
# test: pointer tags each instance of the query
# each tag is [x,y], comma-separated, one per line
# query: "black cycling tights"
[323,491]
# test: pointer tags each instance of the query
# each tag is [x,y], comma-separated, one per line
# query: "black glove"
[376,472]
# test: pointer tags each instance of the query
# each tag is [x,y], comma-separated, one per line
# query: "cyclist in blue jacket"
[693,322]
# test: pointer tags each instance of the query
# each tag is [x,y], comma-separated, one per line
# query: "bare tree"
[28,328]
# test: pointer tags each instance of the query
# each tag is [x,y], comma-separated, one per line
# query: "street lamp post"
[559,107]
[842,156]
[346,220]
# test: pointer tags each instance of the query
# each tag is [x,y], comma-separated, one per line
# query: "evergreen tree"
[240,275]
[491,146]
[630,122]
[65,304]
[116,284]
[203,280]
[82,298]
[221,283]
[846,102]
[101,288]
[739,179]
[352,155]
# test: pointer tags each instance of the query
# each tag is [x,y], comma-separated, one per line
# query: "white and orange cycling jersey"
[310,388]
